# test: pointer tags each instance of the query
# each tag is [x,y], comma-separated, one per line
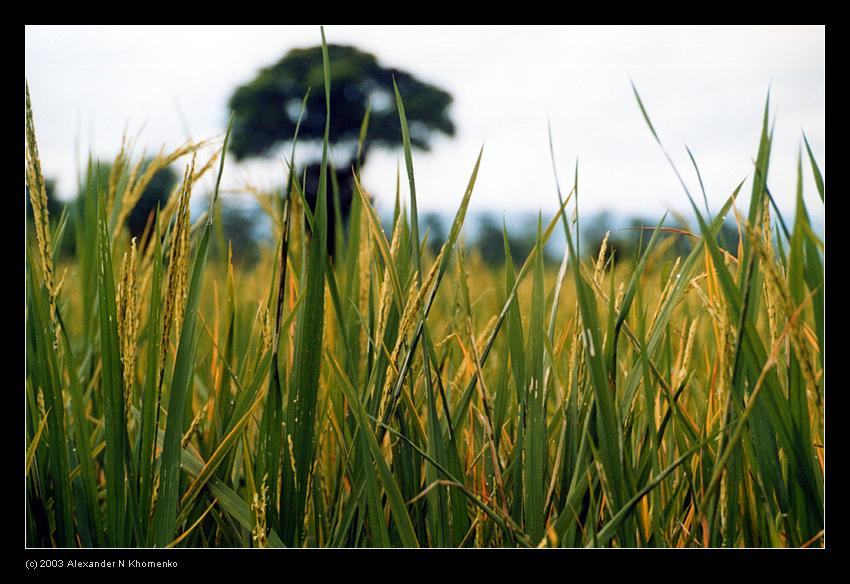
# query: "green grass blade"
[113,388]
[44,370]
[150,396]
[181,383]
[534,444]
[304,379]
[400,514]
[815,169]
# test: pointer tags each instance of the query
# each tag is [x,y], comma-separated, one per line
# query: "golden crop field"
[392,397]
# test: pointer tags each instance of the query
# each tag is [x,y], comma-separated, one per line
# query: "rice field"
[391,397]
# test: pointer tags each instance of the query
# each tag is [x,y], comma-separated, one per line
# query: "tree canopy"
[267,108]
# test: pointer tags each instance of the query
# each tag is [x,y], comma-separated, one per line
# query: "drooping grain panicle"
[114,397]
[165,515]
[128,322]
[136,186]
[38,200]
[258,506]
[182,253]
[177,271]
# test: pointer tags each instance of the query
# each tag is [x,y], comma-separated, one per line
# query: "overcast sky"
[703,86]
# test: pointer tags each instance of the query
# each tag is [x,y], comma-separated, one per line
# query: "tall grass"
[386,397]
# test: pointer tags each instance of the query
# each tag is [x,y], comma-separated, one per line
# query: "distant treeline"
[247,229]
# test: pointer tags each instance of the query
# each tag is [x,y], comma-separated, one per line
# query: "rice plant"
[388,397]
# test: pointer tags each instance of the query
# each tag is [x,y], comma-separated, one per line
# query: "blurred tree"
[239,229]
[267,109]
[156,193]
[437,234]
[628,240]
[624,240]
[54,212]
[728,238]
[54,206]
[490,242]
